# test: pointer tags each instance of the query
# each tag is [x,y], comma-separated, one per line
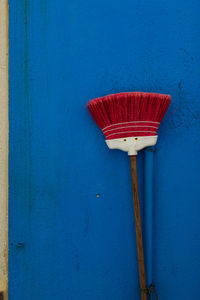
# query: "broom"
[129,122]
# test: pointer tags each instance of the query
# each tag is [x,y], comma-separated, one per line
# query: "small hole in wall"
[136,139]
[97,195]
[124,140]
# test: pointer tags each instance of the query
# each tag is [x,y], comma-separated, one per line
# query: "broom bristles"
[129,114]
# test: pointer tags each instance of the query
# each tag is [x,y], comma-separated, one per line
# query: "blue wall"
[65,242]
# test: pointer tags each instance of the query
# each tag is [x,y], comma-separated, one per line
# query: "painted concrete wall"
[3,146]
[65,242]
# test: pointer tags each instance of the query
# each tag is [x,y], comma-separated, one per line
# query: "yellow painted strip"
[4,147]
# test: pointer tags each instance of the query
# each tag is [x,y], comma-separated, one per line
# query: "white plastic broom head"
[132,144]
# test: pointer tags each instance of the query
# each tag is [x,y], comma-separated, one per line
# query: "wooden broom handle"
[138,227]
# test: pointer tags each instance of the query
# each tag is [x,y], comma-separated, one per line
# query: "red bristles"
[129,114]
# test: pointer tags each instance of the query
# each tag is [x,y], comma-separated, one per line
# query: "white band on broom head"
[129,121]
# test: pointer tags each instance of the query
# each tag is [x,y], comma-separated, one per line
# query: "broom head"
[129,121]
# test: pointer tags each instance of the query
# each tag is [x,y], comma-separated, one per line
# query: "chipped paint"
[4,147]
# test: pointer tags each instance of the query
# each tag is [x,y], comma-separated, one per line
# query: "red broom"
[129,122]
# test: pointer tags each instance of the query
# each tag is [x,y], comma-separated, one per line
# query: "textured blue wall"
[65,242]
